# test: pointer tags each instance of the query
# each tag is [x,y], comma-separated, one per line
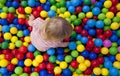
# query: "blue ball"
[43,73]
[72,45]
[8,3]
[98,42]
[106,59]
[92,56]
[3,70]
[91,23]
[37,3]
[31,3]
[71,9]
[114,71]
[3,21]
[99,4]
[78,37]
[48,3]
[86,9]
[76,2]
[60,57]
[99,24]
[51,13]
[112,58]
[24,27]
[51,51]
[84,40]
[92,32]
[96,11]
[11,25]
[15,21]
[60,50]
[20,63]
[46,7]
[85,54]
[86,27]
[102,1]
[68,4]
[19,27]
[50,75]
[26,32]
[108,64]
[15,4]
[118,42]
[31,48]
[5,28]
[114,38]
[67,72]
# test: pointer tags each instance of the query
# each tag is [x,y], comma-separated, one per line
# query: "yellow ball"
[25,44]
[118,14]
[3,63]
[17,11]
[107,4]
[14,39]
[42,1]
[57,62]
[35,63]
[11,45]
[118,6]
[58,11]
[82,67]
[104,50]
[82,75]
[75,74]
[118,57]
[89,15]
[27,39]
[28,10]
[80,59]
[7,36]
[110,15]
[28,62]
[3,15]
[105,71]
[13,30]
[87,63]
[97,71]
[2,56]
[114,26]
[57,70]
[80,48]
[39,58]
[116,64]
[43,14]
[14,61]
[61,15]
[67,14]
[58,0]
[63,65]
[0,27]
[21,16]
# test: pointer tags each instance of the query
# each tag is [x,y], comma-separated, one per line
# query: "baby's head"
[57,28]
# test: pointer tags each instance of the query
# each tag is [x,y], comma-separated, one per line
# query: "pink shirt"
[36,38]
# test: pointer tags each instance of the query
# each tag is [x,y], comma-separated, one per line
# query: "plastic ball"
[107,4]
[3,63]
[118,56]
[80,59]
[28,10]
[91,23]
[97,71]
[113,50]
[31,48]
[87,63]
[67,72]
[3,15]
[113,71]
[11,9]
[7,36]
[18,43]
[104,50]
[14,61]
[96,11]
[35,63]
[74,53]
[13,30]
[51,13]
[43,14]
[42,1]
[63,65]
[82,67]
[39,58]
[72,45]
[28,62]
[10,67]
[80,48]
[68,58]
[57,70]
[114,26]
[71,9]
[89,14]
[18,70]
[27,39]
[86,9]
[99,24]
[20,10]
[5,28]
[110,15]
[98,42]
[34,74]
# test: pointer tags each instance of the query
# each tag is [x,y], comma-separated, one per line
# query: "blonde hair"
[58,28]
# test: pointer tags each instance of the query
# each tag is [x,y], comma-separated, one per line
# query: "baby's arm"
[63,44]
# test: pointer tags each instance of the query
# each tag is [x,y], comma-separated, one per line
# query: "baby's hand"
[31,17]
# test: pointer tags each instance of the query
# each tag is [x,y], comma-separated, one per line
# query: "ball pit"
[93,49]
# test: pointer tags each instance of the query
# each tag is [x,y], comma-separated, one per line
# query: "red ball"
[5,51]
[90,43]
[78,29]
[99,31]
[94,63]
[30,28]
[88,71]
[1,39]
[39,8]
[26,22]
[100,59]
[45,57]
[50,71]
[23,49]
[20,56]
[96,50]
[10,16]
[8,56]
[113,9]
[9,20]
[37,69]
[10,67]
[89,37]
[14,51]
[27,69]
[50,66]
[78,9]
[84,33]
[95,17]
[42,66]
[89,48]
[34,9]
[21,10]
[85,20]
[29,55]
[58,75]
[101,37]
[115,2]
[107,33]
[36,13]
[74,64]
[21,21]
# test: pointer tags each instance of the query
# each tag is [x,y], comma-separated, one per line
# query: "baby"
[50,33]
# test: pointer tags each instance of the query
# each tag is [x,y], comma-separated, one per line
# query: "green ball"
[74,53]
[23,3]
[1,5]
[52,59]
[78,71]
[2,1]
[87,2]
[14,75]
[52,1]
[73,17]
[5,9]
[58,5]
[11,10]
[104,10]
[118,33]
[4,45]
[18,43]
[92,6]
[77,22]
[37,53]
[73,34]
[106,28]
[18,70]
[116,19]
[107,21]
[113,50]
[0,74]
[81,15]
[62,9]
[62,3]
[24,74]
[78,42]
[34,74]
[53,7]
[101,16]
[20,33]
[114,44]
[72,69]
[68,58]
[68,19]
